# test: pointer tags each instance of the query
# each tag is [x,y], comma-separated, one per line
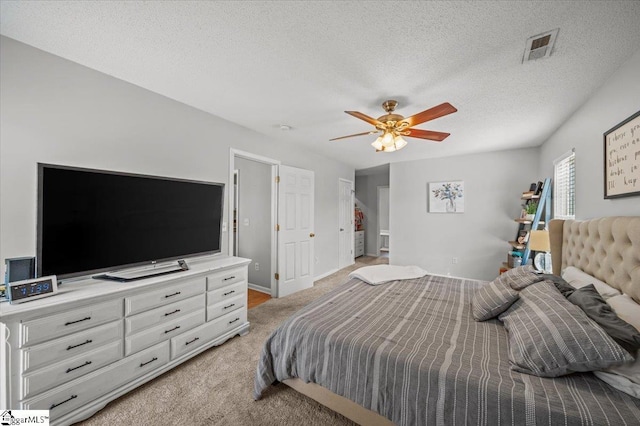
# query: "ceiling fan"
[394,126]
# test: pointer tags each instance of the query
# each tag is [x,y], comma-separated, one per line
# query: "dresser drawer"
[226,306]
[70,369]
[226,293]
[66,347]
[164,313]
[225,278]
[359,251]
[79,392]
[163,296]
[151,336]
[50,327]
[199,336]
[229,321]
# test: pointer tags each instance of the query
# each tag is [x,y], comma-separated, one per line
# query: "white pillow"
[578,278]
[379,274]
[625,377]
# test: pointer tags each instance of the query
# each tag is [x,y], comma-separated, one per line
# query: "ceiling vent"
[540,46]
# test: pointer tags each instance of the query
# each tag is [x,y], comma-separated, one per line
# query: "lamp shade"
[539,241]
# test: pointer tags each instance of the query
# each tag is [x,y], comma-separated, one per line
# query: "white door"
[295,237]
[345,223]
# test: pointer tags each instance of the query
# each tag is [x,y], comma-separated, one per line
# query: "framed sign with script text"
[622,159]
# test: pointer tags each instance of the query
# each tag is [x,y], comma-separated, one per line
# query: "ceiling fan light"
[377,144]
[387,139]
[389,148]
[399,142]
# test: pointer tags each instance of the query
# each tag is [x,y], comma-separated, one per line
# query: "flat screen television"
[94,220]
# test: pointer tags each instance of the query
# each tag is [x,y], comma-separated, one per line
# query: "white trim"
[564,156]
[326,274]
[259,288]
[372,254]
[274,208]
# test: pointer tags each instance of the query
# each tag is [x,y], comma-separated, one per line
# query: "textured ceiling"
[302,63]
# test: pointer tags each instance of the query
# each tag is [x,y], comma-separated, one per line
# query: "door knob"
[341,229]
[311,235]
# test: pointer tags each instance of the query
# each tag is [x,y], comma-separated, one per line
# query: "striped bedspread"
[411,351]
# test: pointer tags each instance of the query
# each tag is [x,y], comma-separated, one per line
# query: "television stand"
[127,276]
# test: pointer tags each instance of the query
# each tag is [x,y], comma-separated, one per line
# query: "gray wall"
[254,218]
[478,237]
[367,200]
[615,101]
[56,111]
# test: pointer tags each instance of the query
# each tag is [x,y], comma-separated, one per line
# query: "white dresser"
[358,244]
[95,340]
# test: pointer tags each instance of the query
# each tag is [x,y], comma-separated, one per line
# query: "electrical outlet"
[257,266]
[246,221]
[454,260]
[224,226]
[317,260]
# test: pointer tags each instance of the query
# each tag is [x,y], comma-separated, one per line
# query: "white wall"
[254,218]
[493,184]
[367,199]
[615,101]
[56,111]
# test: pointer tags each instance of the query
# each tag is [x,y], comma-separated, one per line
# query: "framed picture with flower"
[446,197]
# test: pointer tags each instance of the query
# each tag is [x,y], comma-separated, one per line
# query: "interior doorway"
[345,223]
[383,221]
[253,210]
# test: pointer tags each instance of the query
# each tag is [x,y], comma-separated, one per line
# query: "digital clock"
[36,288]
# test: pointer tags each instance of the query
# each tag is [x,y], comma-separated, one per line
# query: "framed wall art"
[622,159]
[446,197]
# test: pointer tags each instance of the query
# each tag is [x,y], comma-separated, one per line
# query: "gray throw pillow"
[492,299]
[520,277]
[550,336]
[563,287]
[591,302]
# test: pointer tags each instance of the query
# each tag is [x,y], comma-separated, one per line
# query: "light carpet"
[215,387]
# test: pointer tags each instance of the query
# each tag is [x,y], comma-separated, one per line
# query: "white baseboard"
[326,274]
[372,254]
[259,288]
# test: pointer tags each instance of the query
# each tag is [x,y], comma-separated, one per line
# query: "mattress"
[411,351]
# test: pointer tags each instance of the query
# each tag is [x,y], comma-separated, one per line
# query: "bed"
[410,352]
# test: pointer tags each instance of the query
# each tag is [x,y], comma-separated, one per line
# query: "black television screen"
[93,220]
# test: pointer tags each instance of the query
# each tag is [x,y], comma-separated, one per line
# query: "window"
[564,186]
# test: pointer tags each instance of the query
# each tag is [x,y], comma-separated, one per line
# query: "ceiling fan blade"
[357,134]
[427,134]
[365,117]
[430,114]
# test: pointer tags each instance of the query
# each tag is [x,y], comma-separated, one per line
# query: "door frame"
[233,153]
[379,237]
[351,230]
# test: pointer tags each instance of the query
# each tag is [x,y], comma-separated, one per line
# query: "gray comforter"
[411,351]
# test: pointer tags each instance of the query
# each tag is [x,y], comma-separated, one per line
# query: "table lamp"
[539,242]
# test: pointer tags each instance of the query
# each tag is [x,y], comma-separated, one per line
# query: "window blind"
[564,191]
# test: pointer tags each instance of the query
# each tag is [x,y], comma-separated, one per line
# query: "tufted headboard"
[607,248]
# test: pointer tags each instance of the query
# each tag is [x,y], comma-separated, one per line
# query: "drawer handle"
[171,295]
[60,403]
[228,293]
[229,306]
[173,329]
[74,322]
[69,370]
[79,344]
[171,313]
[191,341]
[142,364]
[229,278]
[237,319]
